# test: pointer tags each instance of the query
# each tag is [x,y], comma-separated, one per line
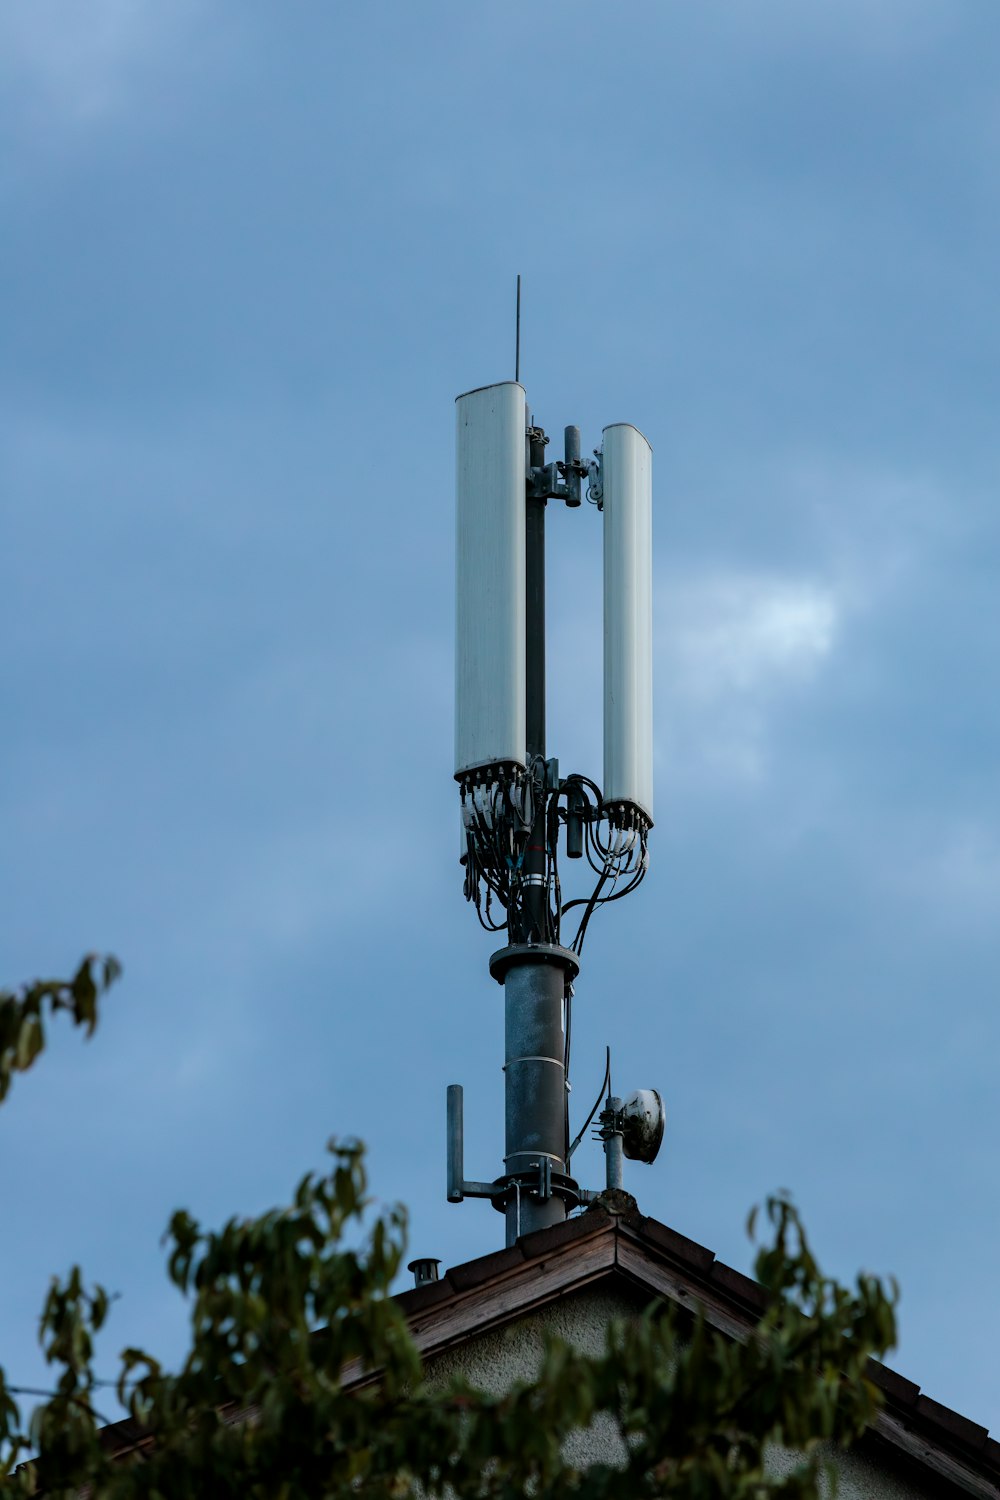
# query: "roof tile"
[952,1421]
[737,1285]
[689,1252]
[543,1241]
[894,1385]
[474,1272]
[417,1298]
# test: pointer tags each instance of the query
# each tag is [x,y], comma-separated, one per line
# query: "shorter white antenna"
[627,479]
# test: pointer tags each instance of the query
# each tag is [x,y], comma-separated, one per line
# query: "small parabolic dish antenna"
[643,1119]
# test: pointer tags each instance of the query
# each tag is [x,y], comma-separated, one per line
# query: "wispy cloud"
[79,63]
[746,634]
[882,28]
[732,645]
[956,877]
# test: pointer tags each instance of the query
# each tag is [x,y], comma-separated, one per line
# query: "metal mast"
[516,809]
[536,974]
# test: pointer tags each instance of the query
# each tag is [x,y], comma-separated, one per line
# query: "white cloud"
[746,634]
[731,645]
[959,879]
[77,60]
[875,528]
[731,648]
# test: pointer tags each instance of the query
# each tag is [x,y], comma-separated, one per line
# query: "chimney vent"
[425,1269]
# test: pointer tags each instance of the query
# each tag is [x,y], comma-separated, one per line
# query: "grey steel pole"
[534,977]
[536,1188]
[534,1093]
[614,1143]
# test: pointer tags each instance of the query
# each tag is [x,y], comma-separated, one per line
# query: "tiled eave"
[937,1445]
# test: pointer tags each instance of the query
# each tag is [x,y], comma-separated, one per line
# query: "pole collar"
[533,953]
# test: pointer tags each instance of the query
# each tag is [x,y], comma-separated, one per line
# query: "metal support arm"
[458,1187]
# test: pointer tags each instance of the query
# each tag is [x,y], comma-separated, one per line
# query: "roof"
[612,1245]
[613,1242]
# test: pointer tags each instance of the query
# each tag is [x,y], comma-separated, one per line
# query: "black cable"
[566,1059]
[499,821]
[553,894]
[589,909]
[605,1083]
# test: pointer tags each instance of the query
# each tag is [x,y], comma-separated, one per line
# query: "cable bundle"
[499,811]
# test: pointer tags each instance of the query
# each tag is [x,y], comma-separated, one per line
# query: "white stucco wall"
[493,1361]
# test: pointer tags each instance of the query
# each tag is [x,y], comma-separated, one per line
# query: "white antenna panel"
[490,617]
[628,619]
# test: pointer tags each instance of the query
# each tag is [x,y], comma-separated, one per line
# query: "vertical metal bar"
[574,823]
[571,474]
[536,895]
[614,1153]
[456,1143]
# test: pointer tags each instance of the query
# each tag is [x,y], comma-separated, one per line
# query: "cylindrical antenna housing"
[628,625]
[490,617]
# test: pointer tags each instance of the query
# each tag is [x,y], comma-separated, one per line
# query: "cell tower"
[517,811]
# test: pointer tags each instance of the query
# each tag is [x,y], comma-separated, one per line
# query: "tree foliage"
[22,1012]
[301,1380]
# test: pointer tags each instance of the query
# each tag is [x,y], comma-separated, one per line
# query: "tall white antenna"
[490,594]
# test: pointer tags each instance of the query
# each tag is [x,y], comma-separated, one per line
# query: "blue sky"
[250,255]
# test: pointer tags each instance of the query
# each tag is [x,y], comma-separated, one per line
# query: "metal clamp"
[562,480]
[595,480]
[556,1061]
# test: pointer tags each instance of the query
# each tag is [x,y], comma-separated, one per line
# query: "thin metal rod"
[456,1143]
[517,335]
